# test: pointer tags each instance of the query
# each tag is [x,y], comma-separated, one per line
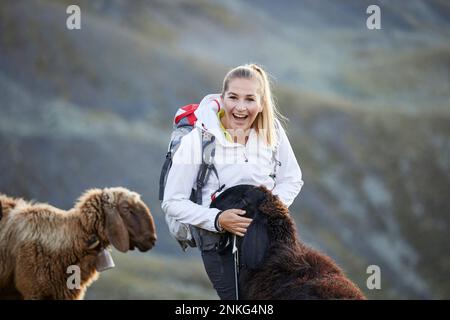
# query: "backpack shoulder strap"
[276,162]
[163,176]
[207,165]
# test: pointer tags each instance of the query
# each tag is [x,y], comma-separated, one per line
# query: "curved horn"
[116,230]
[93,242]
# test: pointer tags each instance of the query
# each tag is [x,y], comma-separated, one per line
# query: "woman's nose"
[240,106]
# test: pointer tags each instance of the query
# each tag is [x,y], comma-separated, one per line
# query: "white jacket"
[235,163]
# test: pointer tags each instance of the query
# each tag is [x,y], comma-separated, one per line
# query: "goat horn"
[93,242]
[94,245]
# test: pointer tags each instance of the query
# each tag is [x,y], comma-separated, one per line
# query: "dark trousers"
[220,270]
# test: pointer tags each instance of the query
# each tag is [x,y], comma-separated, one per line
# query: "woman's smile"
[240,116]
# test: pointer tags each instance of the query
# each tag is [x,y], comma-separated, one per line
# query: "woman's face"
[242,103]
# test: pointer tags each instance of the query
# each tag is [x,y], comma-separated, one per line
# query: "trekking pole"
[236,266]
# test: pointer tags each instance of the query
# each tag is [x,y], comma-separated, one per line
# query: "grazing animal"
[275,264]
[38,242]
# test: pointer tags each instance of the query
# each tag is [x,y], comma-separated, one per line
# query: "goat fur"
[275,264]
[38,242]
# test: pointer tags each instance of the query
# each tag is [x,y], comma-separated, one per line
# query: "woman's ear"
[116,230]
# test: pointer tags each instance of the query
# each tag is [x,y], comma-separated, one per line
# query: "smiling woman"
[250,147]
[241,107]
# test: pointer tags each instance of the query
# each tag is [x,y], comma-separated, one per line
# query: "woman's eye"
[250,99]
[233,98]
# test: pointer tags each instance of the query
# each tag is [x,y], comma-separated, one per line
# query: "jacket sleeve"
[180,181]
[289,176]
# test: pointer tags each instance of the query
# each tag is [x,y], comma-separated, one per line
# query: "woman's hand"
[232,221]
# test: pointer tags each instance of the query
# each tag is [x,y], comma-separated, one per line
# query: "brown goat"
[39,242]
[275,264]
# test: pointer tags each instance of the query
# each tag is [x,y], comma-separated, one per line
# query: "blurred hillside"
[369,120]
[153,276]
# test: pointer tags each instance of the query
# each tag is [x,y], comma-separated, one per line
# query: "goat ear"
[256,196]
[255,243]
[116,230]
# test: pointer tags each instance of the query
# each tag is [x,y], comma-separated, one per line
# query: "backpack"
[184,122]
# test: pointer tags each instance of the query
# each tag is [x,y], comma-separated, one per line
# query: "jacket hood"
[208,120]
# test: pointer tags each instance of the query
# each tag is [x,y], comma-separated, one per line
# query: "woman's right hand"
[232,221]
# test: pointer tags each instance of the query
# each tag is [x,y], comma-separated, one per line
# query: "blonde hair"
[265,121]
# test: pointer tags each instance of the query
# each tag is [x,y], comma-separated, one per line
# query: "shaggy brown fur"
[287,268]
[39,242]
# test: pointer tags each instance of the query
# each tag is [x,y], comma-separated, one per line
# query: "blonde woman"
[251,147]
